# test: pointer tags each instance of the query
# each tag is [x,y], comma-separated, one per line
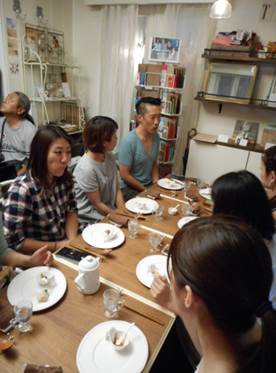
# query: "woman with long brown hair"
[40,207]
[221,275]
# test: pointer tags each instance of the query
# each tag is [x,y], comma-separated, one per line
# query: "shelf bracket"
[220,107]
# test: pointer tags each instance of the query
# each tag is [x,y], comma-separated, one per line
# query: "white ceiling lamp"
[221,9]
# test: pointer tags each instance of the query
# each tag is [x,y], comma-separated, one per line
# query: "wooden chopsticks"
[130,216]
[91,251]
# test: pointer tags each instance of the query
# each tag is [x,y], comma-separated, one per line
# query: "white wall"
[59,16]
[86,24]
[246,14]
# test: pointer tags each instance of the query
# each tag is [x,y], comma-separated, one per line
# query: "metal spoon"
[120,341]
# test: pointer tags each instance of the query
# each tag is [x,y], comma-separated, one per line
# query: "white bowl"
[113,334]
[172,211]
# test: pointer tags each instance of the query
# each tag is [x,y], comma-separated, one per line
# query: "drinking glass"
[23,311]
[158,213]
[154,241]
[133,227]
[113,302]
[187,186]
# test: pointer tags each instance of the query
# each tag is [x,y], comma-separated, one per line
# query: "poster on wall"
[164,49]
[13,57]
[12,37]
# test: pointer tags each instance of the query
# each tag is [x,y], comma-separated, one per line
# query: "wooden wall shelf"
[237,55]
[262,104]
[253,148]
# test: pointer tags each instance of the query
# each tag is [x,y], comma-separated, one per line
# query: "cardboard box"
[153,74]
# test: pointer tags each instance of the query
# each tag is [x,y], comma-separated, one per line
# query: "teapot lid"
[88,263]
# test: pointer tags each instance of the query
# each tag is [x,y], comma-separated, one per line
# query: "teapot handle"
[79,282]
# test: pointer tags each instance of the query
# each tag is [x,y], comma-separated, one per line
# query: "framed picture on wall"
[247,130]
[55,47]
[164,49]
[232,82]
[35,40]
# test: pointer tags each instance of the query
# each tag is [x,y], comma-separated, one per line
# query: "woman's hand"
[41,257]
[160,291]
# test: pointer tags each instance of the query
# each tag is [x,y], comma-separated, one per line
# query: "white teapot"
[88,279]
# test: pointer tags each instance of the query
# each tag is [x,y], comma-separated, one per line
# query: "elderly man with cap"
[17,130]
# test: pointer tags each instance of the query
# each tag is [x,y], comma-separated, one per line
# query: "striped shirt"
[31,211]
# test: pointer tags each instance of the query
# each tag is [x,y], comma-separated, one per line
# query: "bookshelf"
[164,81]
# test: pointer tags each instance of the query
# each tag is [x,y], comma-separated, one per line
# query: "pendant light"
[221,9]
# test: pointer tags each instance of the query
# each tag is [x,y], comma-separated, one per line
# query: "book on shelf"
[160,75]
[166,153]
[167,128]
[170,102]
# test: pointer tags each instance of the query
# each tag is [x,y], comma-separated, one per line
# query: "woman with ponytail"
[221,276]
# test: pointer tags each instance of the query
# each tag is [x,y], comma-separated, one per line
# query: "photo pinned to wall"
[164,49]
[12,37]
[13,57]
[55,47]
[246,132]
[35,40]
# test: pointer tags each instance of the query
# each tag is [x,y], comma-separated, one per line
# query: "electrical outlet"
[266,12]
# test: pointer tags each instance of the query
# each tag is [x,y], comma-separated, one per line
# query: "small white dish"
[169,184]
[206,193]
[142,205]
[144,269]
[185,220]
[172,211]
[113,335]
[95,235]
[96,354]
[26,286]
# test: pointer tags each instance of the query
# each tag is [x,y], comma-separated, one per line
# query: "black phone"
[71,254]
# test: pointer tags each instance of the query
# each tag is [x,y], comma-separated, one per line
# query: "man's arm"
[129,179]
[40,257]
[155,172]
[71,225]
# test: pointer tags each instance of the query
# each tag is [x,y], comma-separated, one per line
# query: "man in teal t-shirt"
[139,150]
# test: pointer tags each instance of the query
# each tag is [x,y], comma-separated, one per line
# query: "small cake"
[43,296]
[43,279]
[109,234]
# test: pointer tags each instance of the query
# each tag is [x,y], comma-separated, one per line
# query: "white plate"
[142,205]
[94,236]
[143,272]
[26,286]
[185,220]
[169,184]
[95,354]
[206,193]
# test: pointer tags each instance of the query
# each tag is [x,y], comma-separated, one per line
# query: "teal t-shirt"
[132,154]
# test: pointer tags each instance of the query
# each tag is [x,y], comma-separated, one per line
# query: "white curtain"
[192,25]
[117,72]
